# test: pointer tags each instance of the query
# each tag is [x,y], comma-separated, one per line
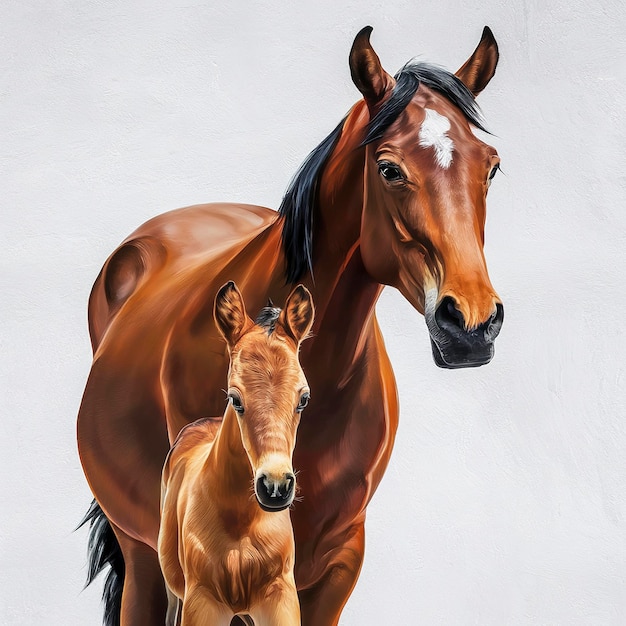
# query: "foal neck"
[228,467]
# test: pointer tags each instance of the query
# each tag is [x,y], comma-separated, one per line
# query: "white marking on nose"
[430,306]
[434,134]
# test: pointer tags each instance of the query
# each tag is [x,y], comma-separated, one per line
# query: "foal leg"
[144,599]
[173,608]
[200,609]
[321,605]
[280,609]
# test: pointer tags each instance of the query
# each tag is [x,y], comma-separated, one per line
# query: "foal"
[222,552]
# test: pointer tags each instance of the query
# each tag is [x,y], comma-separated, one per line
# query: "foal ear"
[230,313]
[297,316]
[479,69]
[367,73]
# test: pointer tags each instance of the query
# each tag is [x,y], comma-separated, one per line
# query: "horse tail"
[104,550]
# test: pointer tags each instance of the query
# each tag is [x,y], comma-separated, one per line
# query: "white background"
[505,499]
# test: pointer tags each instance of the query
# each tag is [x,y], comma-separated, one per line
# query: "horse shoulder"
[361,422]
[375,411]
[389,407]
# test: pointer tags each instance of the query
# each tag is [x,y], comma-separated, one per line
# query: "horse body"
[380,210]
[158,391]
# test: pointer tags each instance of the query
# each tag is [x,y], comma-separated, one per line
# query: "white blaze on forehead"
[434,133]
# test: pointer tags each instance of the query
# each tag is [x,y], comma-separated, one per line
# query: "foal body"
[224,552]
[238,559]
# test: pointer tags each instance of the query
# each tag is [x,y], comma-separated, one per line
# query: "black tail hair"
[104,550]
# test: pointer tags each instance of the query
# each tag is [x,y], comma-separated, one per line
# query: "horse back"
[173,240]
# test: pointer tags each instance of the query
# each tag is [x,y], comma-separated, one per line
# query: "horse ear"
[297,316]
[479,69]
[367,73]
[230,313]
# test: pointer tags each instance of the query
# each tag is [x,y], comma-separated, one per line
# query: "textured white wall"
[505,499]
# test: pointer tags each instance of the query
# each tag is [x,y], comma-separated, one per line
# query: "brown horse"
[395,195]
[221,552]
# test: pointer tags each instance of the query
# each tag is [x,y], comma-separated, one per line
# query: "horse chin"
[275,509]
[457,356]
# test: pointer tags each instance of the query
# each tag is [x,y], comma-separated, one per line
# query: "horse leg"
[321,604]
[144,598]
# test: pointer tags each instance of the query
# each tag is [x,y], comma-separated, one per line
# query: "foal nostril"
[264,486]
[290,483]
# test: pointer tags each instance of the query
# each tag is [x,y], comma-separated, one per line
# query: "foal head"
[426,181]
[267,389]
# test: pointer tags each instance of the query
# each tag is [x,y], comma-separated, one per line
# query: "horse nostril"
[451,320]
[495,323]
[448,317]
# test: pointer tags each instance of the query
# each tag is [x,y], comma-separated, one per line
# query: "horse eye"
[235,400]
[304,400]
[390,172]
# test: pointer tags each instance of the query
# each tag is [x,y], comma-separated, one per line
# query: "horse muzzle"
[275,493]
[453,345]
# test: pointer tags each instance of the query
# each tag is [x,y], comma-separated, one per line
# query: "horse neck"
[337,224]
[344,293]
[227,469]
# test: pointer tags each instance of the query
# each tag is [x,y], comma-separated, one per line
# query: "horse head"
[426,179]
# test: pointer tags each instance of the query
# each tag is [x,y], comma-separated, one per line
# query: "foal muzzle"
[275,493]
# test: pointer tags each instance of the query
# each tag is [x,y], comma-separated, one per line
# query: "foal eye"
[304,400]
[236,402]
[390,172]
[494,171]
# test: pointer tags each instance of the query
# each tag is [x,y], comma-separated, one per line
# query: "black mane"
[408,80]
[298,206]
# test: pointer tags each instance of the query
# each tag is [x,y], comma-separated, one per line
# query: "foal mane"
[300,200]
[268,317]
